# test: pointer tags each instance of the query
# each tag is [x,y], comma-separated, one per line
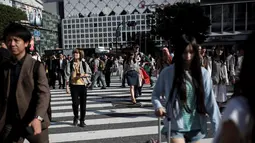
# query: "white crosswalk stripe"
[110,117]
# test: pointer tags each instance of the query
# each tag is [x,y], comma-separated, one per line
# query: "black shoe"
[82,124]
[75,121]
[103,88]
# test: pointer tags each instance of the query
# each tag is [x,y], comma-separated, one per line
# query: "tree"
[180,18]
[10,14]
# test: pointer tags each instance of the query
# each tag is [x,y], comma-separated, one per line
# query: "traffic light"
[131,23]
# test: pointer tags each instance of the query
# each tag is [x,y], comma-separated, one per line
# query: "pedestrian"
[220,76]
[77,76]
[131,69]
[188,109]
[24,92]
[237,124]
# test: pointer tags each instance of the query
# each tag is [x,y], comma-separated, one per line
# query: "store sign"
[143,5]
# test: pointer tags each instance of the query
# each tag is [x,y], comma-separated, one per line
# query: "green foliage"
[10,14]
[180,18]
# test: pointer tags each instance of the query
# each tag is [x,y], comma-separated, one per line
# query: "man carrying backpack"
[24,92]
[99,66]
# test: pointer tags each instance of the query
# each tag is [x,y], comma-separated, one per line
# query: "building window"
[100,24]
[78,36]
[77,20]
[82,30]
[86,30]
[100,35]
[87,40]
[95,24]
[65,26]
[77,26]
[86,25]
[73,31]
[73,26]
[78,41]
[70,41]
[82,25]
[73,21]
[82,35]
[100,29]
[91,35]
[65,31]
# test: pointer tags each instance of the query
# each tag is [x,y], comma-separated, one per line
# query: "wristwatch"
[39,118]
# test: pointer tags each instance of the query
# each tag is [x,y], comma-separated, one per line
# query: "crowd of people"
[193,84]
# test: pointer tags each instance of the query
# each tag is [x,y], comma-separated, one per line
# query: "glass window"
[69,26]
[73,21]
[69,21]
[109,34]
[78,41]
[95,19]
[100,35]
[66,46]
[100,24]
[73,31]
[64,21]
[109,24]
[133,17]
[109,18]
[82,30]
[109,39]
[114,24]
[104,18]
[90,25]
[91,30]
[82,20]
[91,35]
[87,45]
[114,18]
[96,40]
[118,18]
[143,16]
[105,34]
[78,30]
[77,26]
[82,35]
[87,40]
[105,29]
[86,30]
[100,29]
[95,30]
[105,39]
[91,40]
[95,24]
[65,31]
[69,36]
[90,19]
[66,41]
[87,35]
[104,24]
[74,36]
[86,20]
[65,26]
[78,36]
[70,41]
[77,20]
[82,25]
[65,36]
[99,19]
[73,26]
[96,35]
[82,40]
[109,29]
[86,25]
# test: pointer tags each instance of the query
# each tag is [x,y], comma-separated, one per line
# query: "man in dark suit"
[61,65]
[52,70]
[24,96]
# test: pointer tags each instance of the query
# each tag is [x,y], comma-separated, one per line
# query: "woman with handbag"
[77,75]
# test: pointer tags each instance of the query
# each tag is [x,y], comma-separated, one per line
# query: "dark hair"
[247,77]
[78,51]
[222,57]
[18,30]
[196,73]
[128,58]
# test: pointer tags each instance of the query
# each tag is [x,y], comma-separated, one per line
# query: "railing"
[231,16]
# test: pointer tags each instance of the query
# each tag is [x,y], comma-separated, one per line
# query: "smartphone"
[30,130]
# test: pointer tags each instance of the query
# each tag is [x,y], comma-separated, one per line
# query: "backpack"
[101,65]
[35,76]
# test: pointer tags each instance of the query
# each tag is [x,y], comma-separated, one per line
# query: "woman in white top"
[238,118]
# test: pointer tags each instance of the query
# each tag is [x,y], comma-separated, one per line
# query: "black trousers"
[108,78]
[61,78]
[79,97]
[16,134]
[52,78]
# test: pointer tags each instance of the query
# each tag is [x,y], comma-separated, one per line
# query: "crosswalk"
[110,117]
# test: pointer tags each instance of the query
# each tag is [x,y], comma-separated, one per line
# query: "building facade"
[94,23]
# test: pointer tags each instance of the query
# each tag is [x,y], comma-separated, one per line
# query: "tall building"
[95,23]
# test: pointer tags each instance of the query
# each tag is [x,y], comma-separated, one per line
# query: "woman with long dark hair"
[220,75]
[189,93]
[238,124]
